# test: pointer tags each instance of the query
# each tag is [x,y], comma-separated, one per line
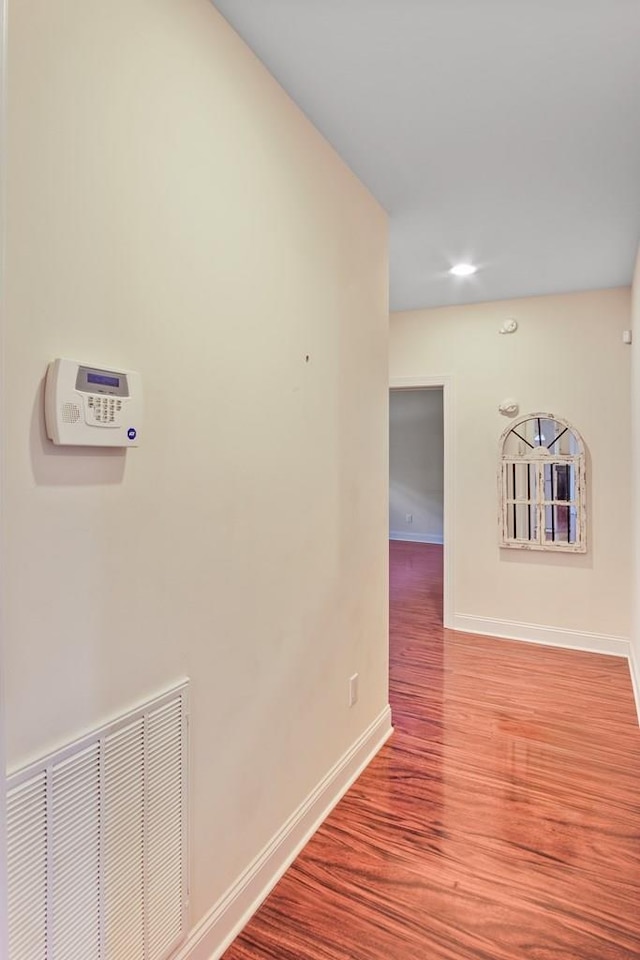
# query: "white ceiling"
[502,131]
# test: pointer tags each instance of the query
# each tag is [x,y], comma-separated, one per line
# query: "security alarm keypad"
[105,410]
[104,392]
[81,401]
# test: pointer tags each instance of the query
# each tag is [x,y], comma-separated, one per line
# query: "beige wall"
[416,454]
[171,211]
[567,358]
[635,445]
[4,939]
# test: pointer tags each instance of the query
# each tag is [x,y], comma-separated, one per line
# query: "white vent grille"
[74,826]
[123,848]
[97,842]
[27,857]
[163,818]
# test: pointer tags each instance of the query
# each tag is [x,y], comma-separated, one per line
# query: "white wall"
[416,463]
[4,946]
[567,358]
[635,446]
[172,211]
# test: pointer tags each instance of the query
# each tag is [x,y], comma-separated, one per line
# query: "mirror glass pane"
[541,432]
[522,481]
[560,481]
[522,521]
[560,523]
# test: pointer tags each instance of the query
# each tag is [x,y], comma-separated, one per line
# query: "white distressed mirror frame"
[540,456]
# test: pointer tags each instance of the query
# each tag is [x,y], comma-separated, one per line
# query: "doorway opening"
[416,494]
[421,484]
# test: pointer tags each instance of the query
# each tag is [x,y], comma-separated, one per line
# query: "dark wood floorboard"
[500,822]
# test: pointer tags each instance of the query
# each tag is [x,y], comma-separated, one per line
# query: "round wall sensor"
[509,408]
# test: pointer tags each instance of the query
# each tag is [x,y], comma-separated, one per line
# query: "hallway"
[500,822]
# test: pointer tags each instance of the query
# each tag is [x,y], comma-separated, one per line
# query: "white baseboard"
[416,537]
[548,636]
[634,669]
[215,932]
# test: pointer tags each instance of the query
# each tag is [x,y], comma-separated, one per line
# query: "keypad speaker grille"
[70,412]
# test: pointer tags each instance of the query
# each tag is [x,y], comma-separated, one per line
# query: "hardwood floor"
[500,822]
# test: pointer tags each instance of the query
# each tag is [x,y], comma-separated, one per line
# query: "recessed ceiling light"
[463,269]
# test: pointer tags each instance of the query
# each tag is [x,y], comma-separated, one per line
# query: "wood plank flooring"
[500,822]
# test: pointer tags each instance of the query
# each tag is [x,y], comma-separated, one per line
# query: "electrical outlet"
[408,517]
[353,690]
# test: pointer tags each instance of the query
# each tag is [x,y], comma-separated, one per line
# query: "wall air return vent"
[97,842]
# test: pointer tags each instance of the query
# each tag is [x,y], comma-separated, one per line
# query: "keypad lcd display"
[103,380]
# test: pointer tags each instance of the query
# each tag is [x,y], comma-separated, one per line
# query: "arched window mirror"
[542,485]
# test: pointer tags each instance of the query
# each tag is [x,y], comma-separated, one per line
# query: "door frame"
[445,381]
